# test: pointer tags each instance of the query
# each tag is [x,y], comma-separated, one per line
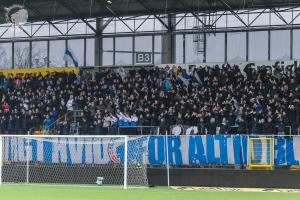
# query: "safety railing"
[194,130]
[71,118]
[68,120]
[138,130]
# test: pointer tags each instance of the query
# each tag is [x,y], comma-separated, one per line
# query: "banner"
[35,71]
[182,150]
[284,65]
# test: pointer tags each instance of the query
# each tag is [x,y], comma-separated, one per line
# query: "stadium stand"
[219,99]
[193,95]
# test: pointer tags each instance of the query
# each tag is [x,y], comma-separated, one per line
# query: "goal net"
[74,160]
[260,153]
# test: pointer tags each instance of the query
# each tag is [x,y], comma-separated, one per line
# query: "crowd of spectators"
[215,99]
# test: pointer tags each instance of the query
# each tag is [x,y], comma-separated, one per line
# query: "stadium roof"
[50,10]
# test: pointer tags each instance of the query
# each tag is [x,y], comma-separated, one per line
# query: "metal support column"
[291,43]
[48,53]
[204,55]
[99,43]
[114,50]
[153,49]
[13,55]
[30,55]
[225,47]
[184,45]
[169,41]
[84,52]
[247,46]
[269,45]
[66,47]
[133,50]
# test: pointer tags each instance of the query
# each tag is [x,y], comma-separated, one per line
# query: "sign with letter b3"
[143,57]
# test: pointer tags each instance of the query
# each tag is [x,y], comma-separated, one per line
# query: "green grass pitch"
[27,192]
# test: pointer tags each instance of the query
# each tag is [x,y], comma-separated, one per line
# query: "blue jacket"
[47,123]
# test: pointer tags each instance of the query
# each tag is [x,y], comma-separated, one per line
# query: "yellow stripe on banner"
[261,139]
[35,71]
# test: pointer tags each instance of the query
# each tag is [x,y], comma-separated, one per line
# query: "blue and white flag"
[197,78]
[70,57]
[185,78]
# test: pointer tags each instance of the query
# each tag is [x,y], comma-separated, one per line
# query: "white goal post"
[74,160]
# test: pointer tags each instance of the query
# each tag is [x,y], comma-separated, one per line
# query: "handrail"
[107,136]
[236,126]
[137,127]
[61,117]
[31,130]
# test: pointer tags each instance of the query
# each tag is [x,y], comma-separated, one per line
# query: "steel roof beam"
[151,10]
[63,4]
[279,15]
[193,13]
[40,14]
[106,24]
[114,14]
[232,11]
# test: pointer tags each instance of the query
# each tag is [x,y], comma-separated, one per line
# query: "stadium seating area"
[214,99]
